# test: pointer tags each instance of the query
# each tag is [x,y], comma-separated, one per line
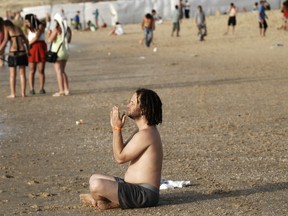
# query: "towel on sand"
[165,184]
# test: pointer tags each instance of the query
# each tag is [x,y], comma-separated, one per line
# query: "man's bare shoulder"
[147,135]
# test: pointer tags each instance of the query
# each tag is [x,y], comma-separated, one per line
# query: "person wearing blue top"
[77,21]
[262,19]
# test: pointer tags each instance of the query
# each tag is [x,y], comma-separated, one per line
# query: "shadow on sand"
[176,84]
[172,198]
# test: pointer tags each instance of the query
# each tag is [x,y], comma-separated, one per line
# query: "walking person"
[232,11]
[59,37]
[35,31]
[262,19]
[176,21]
[200,20]
[143,151]
[148,26]
[17,57]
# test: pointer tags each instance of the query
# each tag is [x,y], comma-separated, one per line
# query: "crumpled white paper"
[166,184]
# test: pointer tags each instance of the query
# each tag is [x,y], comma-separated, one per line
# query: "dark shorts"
[136,195]
[263,25]
[176,26]
[14,61]
[232,21]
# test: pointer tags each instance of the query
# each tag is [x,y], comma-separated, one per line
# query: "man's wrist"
[116,128]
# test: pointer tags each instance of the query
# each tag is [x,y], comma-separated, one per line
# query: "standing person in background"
[200,20]
[17,54]
[63,14]
[156,17]
[262,19]
[1,40]
[180,7]
[284,10]
[77,22]
[59,37]
[176,21]
[35,31]
[255,7]
[148,26]
[48,22]
[187,9]
[96,18]
[232,11]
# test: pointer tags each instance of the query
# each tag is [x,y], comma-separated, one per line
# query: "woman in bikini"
[1,39]
[35,31]
[17,54]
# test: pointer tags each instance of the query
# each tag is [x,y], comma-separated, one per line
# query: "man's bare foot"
[103,205]
[24,95]
[88,199]
[11,96]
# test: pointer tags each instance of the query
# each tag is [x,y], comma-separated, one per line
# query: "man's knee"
[94,177]
[96,185]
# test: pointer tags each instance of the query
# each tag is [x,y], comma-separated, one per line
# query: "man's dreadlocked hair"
[150,105]
[1,24]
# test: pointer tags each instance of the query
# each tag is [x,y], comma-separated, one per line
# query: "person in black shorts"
[17,56]
[262,19]
[143,151]
[232,11]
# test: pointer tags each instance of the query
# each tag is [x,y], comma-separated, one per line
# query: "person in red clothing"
[284,10]
[35,31]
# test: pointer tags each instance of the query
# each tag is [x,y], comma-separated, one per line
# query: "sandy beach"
[225,121]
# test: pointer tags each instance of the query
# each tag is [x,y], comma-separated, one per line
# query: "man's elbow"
[119,160]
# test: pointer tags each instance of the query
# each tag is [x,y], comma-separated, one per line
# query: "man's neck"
[142,123]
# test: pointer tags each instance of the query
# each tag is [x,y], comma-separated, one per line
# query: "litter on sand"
[166,184]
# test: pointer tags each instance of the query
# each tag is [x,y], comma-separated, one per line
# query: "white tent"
[132,11]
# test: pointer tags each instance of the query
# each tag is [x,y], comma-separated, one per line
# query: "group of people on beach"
[262,17]
[143,150]
[28,47]
[149,20]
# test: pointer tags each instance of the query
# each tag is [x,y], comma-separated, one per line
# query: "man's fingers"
[123,119]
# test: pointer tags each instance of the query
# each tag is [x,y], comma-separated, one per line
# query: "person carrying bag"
[59,38]
[52,56]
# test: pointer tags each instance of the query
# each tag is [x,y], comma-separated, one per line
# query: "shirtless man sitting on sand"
[143,151]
